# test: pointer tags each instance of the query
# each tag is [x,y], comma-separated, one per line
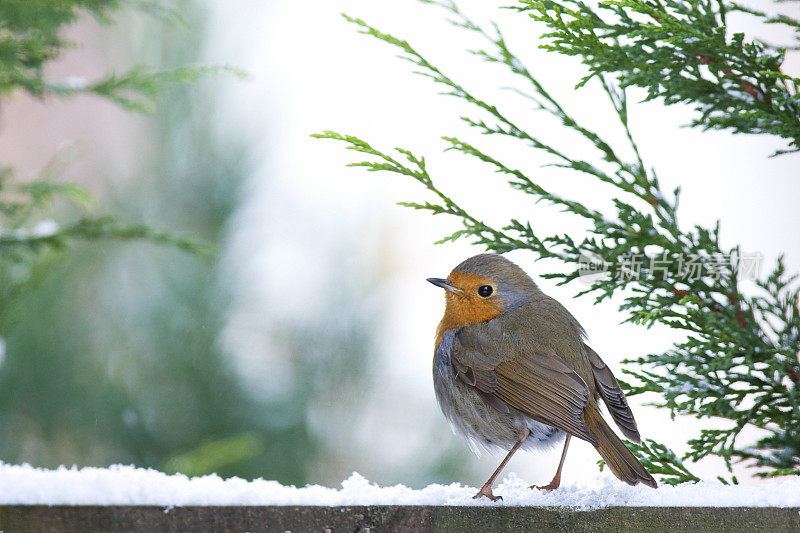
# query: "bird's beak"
[446,284]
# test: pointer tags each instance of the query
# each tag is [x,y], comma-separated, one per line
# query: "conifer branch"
[740,349]
[681,52]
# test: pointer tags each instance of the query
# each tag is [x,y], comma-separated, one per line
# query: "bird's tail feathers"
[617,456]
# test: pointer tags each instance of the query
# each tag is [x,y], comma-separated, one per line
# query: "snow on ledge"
[128,485]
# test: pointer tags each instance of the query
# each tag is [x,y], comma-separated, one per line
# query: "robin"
[511,370]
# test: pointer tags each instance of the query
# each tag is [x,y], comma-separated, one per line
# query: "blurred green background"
[113,352]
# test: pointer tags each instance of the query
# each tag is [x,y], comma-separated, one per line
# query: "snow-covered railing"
[124,498]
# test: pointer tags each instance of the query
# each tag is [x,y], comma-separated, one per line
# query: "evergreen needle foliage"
[739,359]
[30,38]
[682,51]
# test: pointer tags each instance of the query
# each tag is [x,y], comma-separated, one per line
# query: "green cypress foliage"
[739,359]
[682,51]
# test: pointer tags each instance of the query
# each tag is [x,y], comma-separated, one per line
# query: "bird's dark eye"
[485,290]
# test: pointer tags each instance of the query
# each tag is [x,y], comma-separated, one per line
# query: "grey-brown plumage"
[511,369]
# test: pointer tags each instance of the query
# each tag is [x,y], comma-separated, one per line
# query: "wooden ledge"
[374,518]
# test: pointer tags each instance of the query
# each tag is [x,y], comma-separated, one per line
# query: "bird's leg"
[486,489]
[556,481]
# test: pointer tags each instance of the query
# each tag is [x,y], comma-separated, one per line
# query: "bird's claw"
[487,492]
[550,486]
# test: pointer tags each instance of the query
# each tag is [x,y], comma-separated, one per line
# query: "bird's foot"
[487,492]
[553,485]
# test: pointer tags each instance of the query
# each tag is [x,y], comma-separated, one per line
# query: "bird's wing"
[540,383]
[613,396]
